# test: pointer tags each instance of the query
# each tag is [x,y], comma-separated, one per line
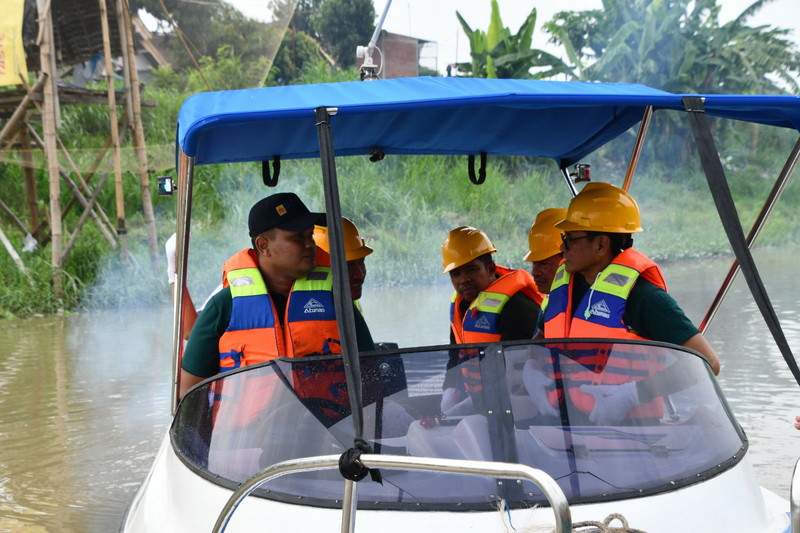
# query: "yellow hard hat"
[462,245]
[604,208]
[544,240]
[354,247]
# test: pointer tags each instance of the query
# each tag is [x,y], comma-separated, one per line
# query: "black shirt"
[517,321]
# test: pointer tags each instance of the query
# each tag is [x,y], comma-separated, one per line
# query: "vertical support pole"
[46,59]
[342,299]
[126,75]
[114,124]
[637,147]
[349,506]
[572,189]
[183,219]
[138,132]
[30,180]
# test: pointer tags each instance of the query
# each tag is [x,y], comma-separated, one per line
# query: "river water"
[84,399]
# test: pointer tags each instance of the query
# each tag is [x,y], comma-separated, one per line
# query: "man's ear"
[602,244]
[262,245]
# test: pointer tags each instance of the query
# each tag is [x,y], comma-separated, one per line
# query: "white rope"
[591,526]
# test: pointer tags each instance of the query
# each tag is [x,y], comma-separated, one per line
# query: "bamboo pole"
[45,238]
[87,191]
[138,133]
[46,57]
[84,217]
[14,255]
[107,233]
[18,116]
[30,180]
[126,75]
[112,118]
[13,217]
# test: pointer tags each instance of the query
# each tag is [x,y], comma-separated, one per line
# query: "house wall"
[400,55]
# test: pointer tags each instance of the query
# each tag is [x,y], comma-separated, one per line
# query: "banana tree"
[498,53]
[676,45]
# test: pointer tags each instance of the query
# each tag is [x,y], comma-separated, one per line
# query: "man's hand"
[454,404]
[537,385]
[612,402]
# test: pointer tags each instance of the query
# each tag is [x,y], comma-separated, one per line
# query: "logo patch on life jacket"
[482,323]
[617,279]
[600,309]
[241,282]
[313,306]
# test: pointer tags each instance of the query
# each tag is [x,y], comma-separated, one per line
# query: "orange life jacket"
[599,314]
[255,335]
[479,323]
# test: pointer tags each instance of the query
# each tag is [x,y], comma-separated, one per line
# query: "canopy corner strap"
[271,179]
[481,176]
[723,199]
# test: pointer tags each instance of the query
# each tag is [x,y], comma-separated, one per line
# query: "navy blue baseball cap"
[284,210]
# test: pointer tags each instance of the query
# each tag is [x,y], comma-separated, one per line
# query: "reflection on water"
[83,404]
[84,400]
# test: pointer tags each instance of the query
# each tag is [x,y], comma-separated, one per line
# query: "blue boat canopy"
[560,120]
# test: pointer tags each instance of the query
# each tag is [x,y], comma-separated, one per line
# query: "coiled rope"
[592,526]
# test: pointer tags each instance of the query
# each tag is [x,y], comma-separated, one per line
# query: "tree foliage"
[498,53]
[342,25]
[677,45]
[210,26]
[301,13]
[297,50]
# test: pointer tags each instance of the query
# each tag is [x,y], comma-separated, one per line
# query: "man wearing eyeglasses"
[605,288]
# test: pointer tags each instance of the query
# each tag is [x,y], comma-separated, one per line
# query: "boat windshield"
[606,419]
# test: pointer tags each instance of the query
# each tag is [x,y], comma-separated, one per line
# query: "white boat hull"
[173,498]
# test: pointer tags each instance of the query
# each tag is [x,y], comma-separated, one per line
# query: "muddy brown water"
[84,399]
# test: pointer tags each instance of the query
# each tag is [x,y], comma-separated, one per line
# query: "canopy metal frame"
[726,208]
[183,219]
[346,321]
[761,220]
[549,487]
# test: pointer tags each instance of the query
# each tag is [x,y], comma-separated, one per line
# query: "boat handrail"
[555,496]
[794,498]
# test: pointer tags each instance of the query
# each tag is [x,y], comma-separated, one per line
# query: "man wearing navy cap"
[275,302]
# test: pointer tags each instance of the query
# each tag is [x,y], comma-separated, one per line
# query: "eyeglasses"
[569,239]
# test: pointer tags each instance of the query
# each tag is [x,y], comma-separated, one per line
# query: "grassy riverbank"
[403,206]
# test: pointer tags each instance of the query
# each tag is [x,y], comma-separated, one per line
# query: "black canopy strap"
[342,299]
[271,180]
[718,184]
[351,467]
[481,177]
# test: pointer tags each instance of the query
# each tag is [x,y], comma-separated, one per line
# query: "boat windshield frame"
[670,486]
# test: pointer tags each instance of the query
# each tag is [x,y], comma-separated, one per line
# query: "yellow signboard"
[12,54]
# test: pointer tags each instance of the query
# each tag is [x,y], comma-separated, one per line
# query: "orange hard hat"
[604,208]
[463,244]
[544,240]
[354,246]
